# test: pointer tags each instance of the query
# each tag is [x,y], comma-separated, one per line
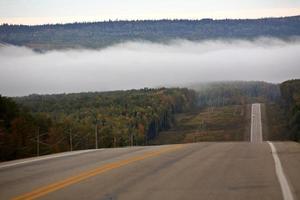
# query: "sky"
[144,64]
[66,11]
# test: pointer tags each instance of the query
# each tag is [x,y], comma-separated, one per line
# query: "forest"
[43,124]
[107,33]
[290,102]
[235,93]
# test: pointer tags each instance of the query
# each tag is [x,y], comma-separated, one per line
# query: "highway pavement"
[256,126]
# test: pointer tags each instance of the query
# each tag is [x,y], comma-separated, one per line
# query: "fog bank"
[143,64]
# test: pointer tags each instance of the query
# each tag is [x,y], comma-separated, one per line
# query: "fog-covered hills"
[102,34]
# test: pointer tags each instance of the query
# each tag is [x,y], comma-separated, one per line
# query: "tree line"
[103,34]
[290,102]
[42,124]
[235,93]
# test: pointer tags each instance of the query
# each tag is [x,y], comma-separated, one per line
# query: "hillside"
[222,123]
[103,34]
[120,118]
[290,91]
[235,93]
[223,113]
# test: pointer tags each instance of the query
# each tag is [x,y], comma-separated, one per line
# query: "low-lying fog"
[143,64]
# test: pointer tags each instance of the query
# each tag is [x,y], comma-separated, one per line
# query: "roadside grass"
[227,123]
[275,125]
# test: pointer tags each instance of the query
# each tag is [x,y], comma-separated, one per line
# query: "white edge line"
[285,188]
[260,124]
[251,128]
[48,157]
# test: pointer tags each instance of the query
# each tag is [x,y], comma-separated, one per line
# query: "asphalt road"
[256,126]
[207,170]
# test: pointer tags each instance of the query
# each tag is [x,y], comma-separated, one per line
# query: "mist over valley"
[145,64]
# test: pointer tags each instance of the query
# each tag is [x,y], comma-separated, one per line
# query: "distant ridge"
[148,20]
[106,33]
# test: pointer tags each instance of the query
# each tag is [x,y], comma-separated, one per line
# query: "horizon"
[188,86]
[34,12]
[96,58]
[140,20]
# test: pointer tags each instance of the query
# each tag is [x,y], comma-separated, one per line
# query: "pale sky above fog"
[62,11]
[143,64]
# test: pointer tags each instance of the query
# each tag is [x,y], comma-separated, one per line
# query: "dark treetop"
[102,34]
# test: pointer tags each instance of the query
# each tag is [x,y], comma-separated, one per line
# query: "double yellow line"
[39,192]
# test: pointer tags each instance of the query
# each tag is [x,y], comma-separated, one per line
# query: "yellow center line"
[85,175]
